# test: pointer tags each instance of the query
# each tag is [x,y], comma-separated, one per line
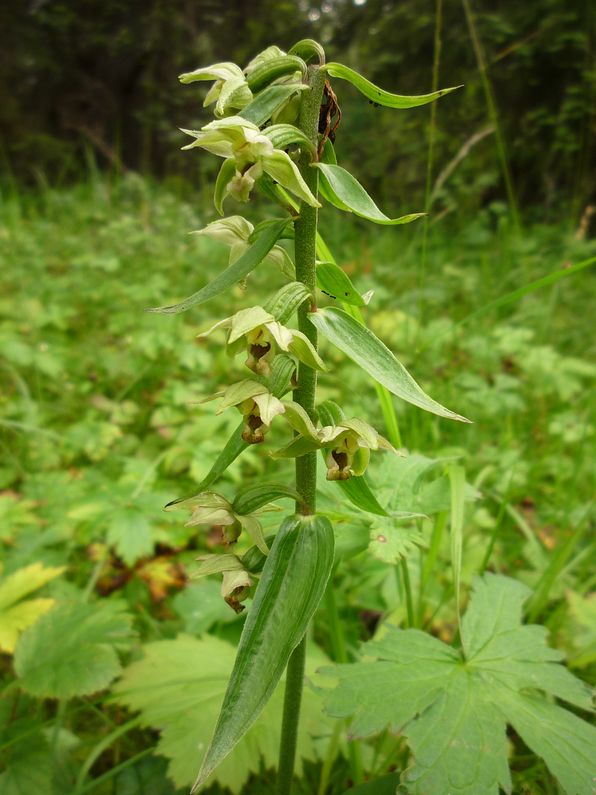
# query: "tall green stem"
[305,236]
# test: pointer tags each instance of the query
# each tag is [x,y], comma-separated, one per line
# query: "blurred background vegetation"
[98,76]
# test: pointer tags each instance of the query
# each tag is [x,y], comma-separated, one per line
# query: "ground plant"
[372,640]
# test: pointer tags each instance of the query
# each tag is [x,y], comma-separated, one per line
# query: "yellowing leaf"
[15,615]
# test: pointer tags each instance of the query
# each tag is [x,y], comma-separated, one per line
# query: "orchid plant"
[275,124]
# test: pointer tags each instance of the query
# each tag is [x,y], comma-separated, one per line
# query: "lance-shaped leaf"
[335,282]
[453,706]
[375,358]
[344,191]
[269,101]
[377,95]
[291,586]
[252,257]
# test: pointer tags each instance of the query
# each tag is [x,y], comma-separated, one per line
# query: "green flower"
[263,337]
[253,154]
[256,404]
[236,579]
[210,508]
[235,232]
[230,91]
[347,445]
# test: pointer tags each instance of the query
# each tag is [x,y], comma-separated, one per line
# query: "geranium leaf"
[377,95]
[367,350]
[232,274]
[344,191]
[453,707]
[182,699]
[71,651]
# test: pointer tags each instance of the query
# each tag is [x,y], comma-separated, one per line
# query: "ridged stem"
[305,235]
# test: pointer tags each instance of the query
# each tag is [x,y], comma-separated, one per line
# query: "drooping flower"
[263,337]
[230,90]
[256,404]
[235,232]
[253,154]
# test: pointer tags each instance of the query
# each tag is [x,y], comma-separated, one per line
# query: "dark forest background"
[97,79]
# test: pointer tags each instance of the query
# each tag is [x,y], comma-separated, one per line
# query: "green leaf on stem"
[335,283]
[367,350]
[453,706]
[234,273]
[344,191]
[290,588]
[268,101]
[377,95]
[251,498]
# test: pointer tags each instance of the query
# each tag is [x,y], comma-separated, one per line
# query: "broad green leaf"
[377,95]
[178,686]
[358,491]
[391,539]
[344,191]
[268,101]
[232,274]
[453,707]
[290,588]
[286,301]
[232,449]
[72,650]
[387,785]
[367,350]
[16,615]
[27,763]
[335,282]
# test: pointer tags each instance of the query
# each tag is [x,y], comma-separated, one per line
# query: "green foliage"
[73,649]
[453,706]
[178,686]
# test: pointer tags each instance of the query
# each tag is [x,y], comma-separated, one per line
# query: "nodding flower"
[253,154]
[262,336]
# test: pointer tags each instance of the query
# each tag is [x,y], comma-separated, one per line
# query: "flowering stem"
[305,234]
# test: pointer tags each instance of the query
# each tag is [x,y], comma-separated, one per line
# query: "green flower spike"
[211,509]
[253,154]
[230,91]
[235,232]
[263,337]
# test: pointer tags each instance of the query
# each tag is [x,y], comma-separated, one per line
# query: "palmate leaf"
[232,274]
[344,191]
[179,685]
[375,358]
[453,707]
[72,650]
[15,614]
[377,95]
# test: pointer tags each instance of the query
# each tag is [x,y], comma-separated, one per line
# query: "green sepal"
[251,498]
[335,283]
[272,69]
[377,95]
[286,301]
[307,49]
[299,446]
[225,174]
[344,191]
[374,357]
[216,564]
[291,586]
[268,102]
[252,257]
[299,420]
